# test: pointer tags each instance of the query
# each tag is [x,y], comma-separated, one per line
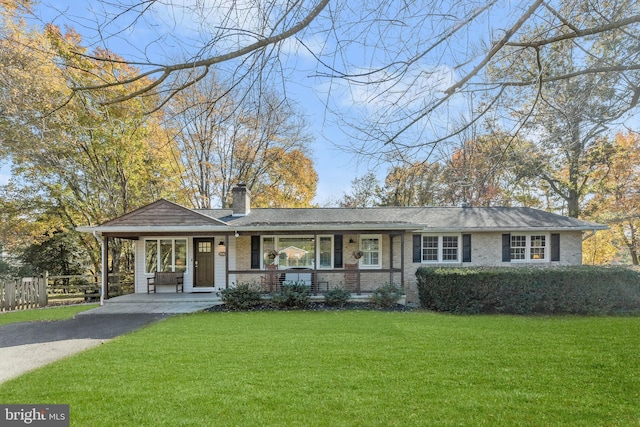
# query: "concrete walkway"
[162,303]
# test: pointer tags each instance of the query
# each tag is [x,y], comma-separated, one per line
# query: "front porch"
[172,303]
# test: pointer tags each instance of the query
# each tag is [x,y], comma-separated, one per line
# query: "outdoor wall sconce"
[221,249]
[351,241]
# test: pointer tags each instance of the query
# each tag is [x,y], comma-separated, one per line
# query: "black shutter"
[555,247]
[255,251]
[506,248]
[337,251]
[466,248]
[417,248]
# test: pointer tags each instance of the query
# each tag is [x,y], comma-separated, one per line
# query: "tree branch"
[167,70]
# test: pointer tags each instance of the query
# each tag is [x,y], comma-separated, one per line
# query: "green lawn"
[351,369]
[47,313]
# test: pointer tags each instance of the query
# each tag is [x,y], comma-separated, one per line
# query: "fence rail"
[32,292]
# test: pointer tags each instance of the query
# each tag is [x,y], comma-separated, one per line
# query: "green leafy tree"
[616,199]
[83,163]
[416,184]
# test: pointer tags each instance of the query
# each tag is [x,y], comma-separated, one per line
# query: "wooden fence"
[24,293]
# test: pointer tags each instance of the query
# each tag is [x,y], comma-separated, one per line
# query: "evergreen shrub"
[386,296]
[243,297]
[562,290]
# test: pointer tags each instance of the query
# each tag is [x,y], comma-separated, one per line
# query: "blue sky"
[323,101]
[335,168]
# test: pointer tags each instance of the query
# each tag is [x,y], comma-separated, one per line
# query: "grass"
[351,368]
[44,314]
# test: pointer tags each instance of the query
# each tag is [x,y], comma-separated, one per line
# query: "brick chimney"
[241,202]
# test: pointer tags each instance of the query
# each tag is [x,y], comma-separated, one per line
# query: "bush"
[568,290]
[243,297]
[292,295]
[386,296]
[337,297]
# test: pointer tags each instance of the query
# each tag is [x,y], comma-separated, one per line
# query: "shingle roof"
[428,218]
[164,216]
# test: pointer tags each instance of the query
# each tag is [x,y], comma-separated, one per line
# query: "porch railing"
[358,281]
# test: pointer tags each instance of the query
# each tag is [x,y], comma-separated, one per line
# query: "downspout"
[104,265]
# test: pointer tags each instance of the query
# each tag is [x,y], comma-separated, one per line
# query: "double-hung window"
[165,255]
[371,249]
[526,247]
[325,252]
[445,248]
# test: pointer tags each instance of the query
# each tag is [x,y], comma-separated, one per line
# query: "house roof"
[164,216]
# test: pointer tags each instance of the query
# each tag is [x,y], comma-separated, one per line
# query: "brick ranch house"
[359,248]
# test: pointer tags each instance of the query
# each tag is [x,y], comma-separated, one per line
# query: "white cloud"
[384,89]
[305,48]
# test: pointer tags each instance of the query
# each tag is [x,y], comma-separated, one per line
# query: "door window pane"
[204,247]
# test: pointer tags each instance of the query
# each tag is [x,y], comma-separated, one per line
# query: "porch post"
[314,277]
[391,236]
[105,270]
[402,262]
[226,261]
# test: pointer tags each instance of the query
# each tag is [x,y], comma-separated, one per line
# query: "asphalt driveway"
[29,345]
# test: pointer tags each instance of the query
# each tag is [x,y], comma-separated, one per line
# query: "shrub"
[243,297]
[567,290]
[386,296]
[292,295]
[337,297]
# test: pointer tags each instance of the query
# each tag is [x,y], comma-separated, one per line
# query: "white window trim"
[458,259]
[527,248]
[173,253]
[276,242]
[364,237]
[317,244]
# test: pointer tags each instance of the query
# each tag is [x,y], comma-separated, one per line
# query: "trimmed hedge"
[570,290]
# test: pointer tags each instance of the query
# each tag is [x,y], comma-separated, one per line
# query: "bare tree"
[404,67]
[225,137]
